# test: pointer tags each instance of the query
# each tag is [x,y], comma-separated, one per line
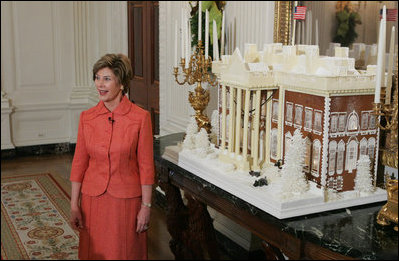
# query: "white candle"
[235,34]
[175,60]
[390,66]
[298,34]
[199,20]
[215,42]
[189,38]
[222,36]
[307,27]
[294,25]
[317,33]
[182,34]
[229,39]
[310,27]
[206,33]
[379,62]
[384,40]
[186,40]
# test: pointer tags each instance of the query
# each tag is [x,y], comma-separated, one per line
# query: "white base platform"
[240,184]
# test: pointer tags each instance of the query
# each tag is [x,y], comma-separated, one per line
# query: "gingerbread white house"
[265,96]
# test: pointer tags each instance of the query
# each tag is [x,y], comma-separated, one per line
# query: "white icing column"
[238,122]
[268,127]
[252,124]
[6,110]
[280,127]
[246,119]
[232,119]
[255,145]
[223,141]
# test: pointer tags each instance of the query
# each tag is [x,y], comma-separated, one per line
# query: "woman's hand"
[143,219]
[76,218]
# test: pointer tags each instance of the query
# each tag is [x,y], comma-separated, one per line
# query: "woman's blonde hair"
[120,66]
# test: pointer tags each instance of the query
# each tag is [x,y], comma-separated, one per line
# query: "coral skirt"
[110,229]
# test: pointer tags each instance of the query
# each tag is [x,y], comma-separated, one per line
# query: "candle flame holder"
[197,72]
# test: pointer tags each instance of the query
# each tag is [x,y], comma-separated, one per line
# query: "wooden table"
[350,233]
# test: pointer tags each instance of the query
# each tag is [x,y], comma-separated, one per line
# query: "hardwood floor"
[158,237]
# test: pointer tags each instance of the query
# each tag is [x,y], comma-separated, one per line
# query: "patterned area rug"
[34,219]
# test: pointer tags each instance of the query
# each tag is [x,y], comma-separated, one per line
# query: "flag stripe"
[392,14]
[300,12]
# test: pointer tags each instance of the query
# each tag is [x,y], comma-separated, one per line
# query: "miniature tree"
[363,180]
[192,127]
[202,143]
[293,179]
[191,131]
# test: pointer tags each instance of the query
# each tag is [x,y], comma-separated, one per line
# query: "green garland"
[346,23]
[215,13]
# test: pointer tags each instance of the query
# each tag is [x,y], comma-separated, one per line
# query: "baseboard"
[44,149]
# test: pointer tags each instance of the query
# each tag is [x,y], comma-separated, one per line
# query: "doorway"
[143,44]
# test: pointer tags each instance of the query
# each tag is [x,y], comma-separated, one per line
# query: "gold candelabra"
[388,122]
[197,72]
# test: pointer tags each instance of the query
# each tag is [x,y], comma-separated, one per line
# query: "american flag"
[392,14]
[300,12]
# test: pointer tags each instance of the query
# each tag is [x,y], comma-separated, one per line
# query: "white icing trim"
[324,161]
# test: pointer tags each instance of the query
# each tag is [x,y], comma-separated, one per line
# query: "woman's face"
[107,85]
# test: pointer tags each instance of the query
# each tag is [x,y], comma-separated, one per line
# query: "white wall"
[47,52]
[324,12]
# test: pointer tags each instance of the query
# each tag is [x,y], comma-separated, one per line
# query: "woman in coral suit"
[112,170]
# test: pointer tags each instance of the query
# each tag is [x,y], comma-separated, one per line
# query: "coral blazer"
[114,150]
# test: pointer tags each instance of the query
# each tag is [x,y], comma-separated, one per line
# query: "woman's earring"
[122,87]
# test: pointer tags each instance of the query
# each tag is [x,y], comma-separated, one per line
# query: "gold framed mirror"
[282,22]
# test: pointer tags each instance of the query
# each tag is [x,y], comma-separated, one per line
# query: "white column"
[238,122]
[223,141]
[246,119]
[232,120]
[82,93]
[255,146]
